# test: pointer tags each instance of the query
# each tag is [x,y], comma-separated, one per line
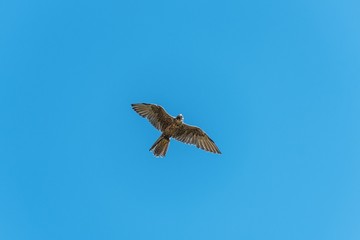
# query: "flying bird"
[173,127]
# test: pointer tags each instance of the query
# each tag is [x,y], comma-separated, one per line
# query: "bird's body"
[173,127]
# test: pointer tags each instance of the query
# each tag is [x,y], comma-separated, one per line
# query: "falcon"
[173,127]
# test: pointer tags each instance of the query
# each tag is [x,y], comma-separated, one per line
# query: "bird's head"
[180,117]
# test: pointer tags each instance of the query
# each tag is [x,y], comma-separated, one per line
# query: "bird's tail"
[160,146]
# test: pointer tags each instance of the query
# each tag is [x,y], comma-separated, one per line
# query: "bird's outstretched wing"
[156,115]
[194,135]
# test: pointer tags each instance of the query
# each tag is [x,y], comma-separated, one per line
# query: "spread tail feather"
[160,146]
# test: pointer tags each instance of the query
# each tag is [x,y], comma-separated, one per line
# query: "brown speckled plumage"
[173,127]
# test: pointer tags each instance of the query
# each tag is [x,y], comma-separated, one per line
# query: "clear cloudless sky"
[276,84]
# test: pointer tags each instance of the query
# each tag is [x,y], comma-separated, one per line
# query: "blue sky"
[274,83]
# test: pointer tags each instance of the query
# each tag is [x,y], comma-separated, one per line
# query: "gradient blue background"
[275,84]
